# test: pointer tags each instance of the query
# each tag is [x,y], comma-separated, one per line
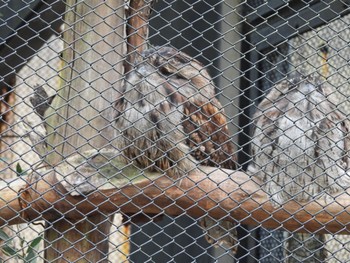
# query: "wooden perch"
[137,29]
[221,193]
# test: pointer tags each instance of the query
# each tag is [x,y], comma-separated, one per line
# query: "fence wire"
[89,142]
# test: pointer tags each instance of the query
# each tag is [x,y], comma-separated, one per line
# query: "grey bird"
[300,151]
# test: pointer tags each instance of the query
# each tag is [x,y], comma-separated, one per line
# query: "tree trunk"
[82,115]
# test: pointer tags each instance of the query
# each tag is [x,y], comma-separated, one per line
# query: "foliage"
[27,256]
[19,170]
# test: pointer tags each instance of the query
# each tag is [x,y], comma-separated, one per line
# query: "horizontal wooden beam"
[225,194]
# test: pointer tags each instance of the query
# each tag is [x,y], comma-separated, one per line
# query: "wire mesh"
[174,131]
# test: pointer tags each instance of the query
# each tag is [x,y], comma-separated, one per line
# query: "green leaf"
[31,253]
[31,256]
[19,169]
[35,242]
[9,251]
[4,236]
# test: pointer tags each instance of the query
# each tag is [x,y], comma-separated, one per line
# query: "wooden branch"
[220,193]
[137,30]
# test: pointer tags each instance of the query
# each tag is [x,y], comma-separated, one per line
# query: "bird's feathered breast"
[168,116]
[300,142]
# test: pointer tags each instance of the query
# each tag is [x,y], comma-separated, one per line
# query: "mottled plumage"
[170,121]
[40,101]
[300,151]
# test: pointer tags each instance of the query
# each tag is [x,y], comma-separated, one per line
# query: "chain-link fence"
[174,131]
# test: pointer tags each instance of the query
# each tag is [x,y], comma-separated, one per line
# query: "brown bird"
[300,151]
[170,121]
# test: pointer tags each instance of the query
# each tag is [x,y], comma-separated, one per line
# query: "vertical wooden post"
[82,114]
[137,30]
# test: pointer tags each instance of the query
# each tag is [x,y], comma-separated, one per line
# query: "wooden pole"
[220,193]
[82,115]
[137,30]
